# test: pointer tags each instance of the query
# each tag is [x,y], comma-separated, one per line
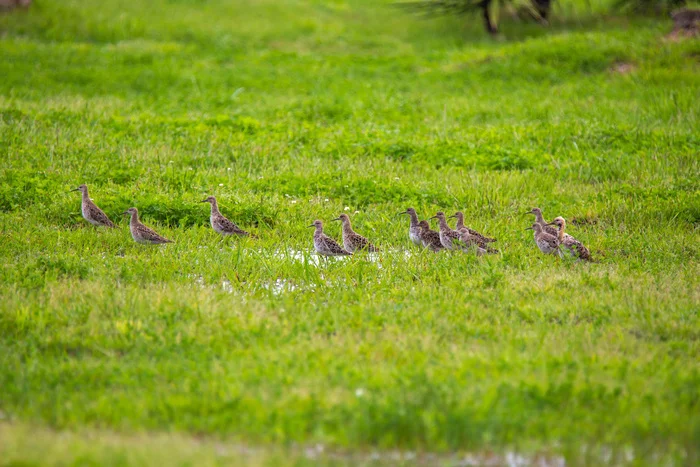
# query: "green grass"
[295,110]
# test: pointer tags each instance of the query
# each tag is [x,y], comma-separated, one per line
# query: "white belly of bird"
[137,238]
[348,246]
[545,248]
[446,241]
[217,227]
[413,235]
[86,217]
[320,247]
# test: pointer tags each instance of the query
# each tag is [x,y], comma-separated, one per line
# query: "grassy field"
[288,111]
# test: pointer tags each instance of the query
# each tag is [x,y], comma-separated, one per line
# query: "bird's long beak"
[452,217]
[404,212]
[529,228]
[526,213]
[204,201]
[336,219]
[75,189]
[434,217]
[311,225]
[125,213]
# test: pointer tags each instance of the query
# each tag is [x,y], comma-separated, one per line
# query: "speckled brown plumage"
[91,212]
[448,237]
[142,234]
[428,237]
[460,226]
[220,223]
[546,227]
[547,243]
[324,244]
[570,244]
[352,241]
[472,242]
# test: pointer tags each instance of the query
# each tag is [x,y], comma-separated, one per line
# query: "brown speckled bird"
[324,244]
[539,219]
[460,226]
[428,237]
[547,243]
[573,246]
[141,233]
[91,212]
[220,223]
[352,241]
[447,235]
[472,242]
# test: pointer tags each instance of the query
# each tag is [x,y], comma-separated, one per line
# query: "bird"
[429,238]
[539,219]
[141,233]
[546,242]
[91,212]
[574,247]
[471,241]
[447,235]
[352,241]
[220,223]
[413,230]
[460,226]
[324,244]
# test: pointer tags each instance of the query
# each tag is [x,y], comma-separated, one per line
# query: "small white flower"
[357,212]
[221,184]
[359,392]
[294,201]
[170,162]
[228,168]
[347,208]
[326,200]
[397,178]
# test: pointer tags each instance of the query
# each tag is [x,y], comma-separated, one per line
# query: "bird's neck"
[460,221]
[134,218]
[539,218]
[215,207]
[561,232]
[414,219]
[443,224]
[347,227]
[86,196]
[318,232]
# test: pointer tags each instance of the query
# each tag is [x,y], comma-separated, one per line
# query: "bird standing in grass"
[573,246]
[324,244]
[413,230]
[141,233]
[220,223]
[476,243]
[429,238]
[539,219]
[352,241]
[447,235]
[546,242]
[460,226]
[91,212]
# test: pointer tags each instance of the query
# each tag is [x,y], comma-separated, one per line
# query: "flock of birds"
[550,237]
